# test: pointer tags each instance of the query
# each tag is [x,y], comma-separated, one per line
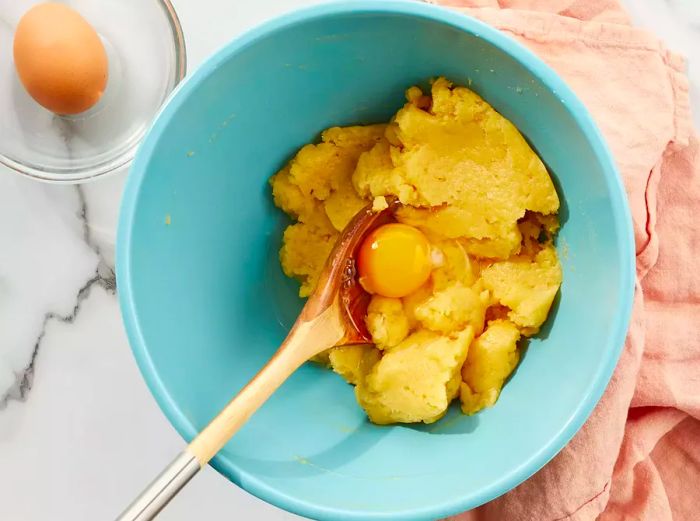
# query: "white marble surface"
[79,432]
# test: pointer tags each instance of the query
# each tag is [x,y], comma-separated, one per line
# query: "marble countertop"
[79,431]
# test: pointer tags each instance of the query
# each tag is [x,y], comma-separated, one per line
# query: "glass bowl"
[147,59]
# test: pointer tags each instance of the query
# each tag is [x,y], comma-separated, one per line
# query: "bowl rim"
[115,163]
[622,223]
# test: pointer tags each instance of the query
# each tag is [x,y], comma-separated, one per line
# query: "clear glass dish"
[147,59]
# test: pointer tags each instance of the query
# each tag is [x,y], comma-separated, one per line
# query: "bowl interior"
[206,304]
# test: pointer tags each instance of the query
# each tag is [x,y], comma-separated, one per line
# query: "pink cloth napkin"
[638,456]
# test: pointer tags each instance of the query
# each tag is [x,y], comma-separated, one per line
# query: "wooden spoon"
[333,316]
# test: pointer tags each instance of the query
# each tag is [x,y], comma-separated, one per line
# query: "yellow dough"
[526,285]
[387,321]
[492,357]
[416,380]
[469,180]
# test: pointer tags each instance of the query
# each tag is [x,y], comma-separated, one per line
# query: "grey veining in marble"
[103,276]
[25,377]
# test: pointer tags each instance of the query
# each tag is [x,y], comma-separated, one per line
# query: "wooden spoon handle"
[215,435]
[304,340]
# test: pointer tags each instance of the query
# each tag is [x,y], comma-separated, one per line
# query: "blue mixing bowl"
[205,302]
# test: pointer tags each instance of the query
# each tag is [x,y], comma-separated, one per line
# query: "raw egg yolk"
[394,260]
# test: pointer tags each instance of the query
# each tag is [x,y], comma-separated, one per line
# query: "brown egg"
[60,58]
